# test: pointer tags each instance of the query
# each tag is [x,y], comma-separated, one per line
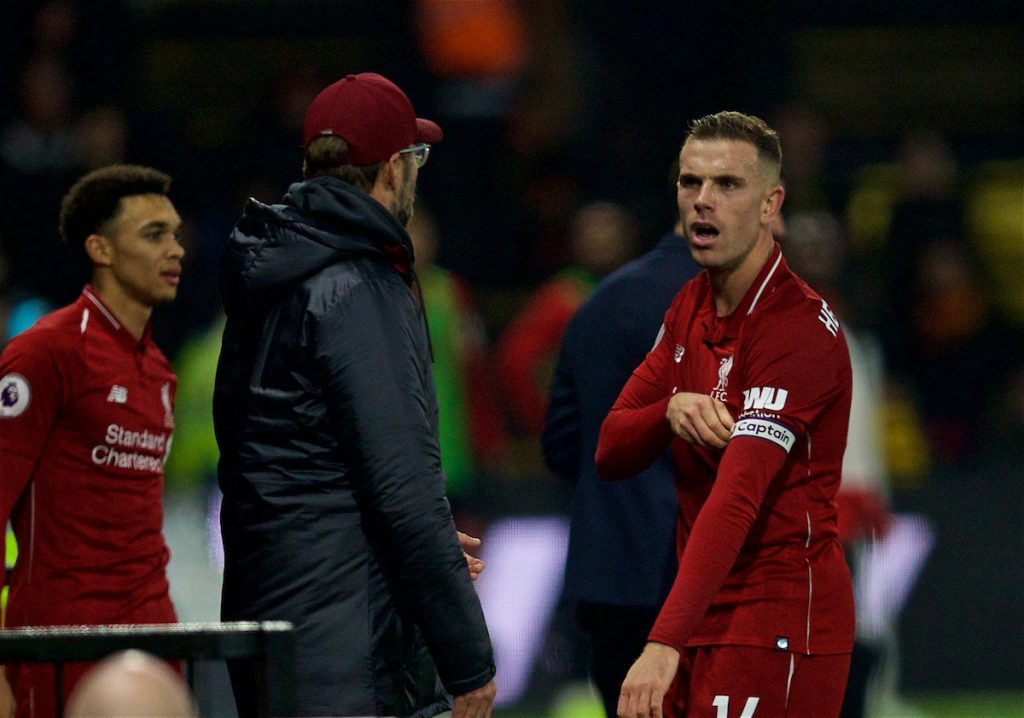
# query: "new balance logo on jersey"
[764,397]
[827,318]
[118,394]
[680,350]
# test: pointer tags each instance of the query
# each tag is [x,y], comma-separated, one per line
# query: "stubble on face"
[404,204]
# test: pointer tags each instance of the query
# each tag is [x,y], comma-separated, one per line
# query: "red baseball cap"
[371,114]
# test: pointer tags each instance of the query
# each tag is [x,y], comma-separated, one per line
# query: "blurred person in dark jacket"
[620,564]
[334,514]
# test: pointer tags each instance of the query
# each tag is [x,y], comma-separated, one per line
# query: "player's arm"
[746,471]
[636,432]
[31,387]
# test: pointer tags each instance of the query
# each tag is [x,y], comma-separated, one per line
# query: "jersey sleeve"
[795,366]
[32,388]
[791,375]
[746,471]
[635,432]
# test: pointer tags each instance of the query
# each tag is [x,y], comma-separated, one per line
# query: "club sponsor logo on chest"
[765,398]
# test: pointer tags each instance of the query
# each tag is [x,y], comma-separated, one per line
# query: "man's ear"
[771,207]
[99,250]
[386,184]
[391,170]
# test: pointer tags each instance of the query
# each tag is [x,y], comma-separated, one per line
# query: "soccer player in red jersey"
[749,382]
[86,416]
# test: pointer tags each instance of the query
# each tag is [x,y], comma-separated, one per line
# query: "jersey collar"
[100,312]
[718,329]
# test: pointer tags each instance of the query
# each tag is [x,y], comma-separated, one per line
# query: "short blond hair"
[731,125]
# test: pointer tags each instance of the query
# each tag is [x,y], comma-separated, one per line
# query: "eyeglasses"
[420,152]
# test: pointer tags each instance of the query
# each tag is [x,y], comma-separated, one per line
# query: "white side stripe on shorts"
[789,679]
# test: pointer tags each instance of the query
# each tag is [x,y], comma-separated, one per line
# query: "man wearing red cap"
[334,515]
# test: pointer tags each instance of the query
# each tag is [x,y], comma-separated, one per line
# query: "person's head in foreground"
[130,684]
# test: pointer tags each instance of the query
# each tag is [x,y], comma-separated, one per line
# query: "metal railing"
[268,647]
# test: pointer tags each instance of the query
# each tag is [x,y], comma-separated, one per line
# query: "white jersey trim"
[789,678]
[764,283]
[103,310]
[810,598]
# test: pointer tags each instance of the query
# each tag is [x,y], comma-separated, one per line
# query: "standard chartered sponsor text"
[118,436]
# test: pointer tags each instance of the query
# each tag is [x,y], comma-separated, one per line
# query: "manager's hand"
[475,704]
[475,565]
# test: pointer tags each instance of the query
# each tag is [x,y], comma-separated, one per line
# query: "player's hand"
[699,419]
[6,696]
[467,542]
[647,682]
[475,704]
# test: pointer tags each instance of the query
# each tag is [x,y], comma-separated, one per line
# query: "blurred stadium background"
[902,119]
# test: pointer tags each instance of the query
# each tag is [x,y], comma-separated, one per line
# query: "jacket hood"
[320,222]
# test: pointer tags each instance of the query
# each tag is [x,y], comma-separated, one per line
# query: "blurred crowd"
[555,170]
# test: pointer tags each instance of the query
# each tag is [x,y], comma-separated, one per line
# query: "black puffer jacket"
[334,514]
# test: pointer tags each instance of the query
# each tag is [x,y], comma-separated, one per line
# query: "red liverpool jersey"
[760,564]
[86,416]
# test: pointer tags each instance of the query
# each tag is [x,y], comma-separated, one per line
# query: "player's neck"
[133,314]
[730,284]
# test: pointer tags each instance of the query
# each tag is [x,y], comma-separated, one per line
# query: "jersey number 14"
[722,704]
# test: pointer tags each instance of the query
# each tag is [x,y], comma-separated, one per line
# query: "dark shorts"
[745,682]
